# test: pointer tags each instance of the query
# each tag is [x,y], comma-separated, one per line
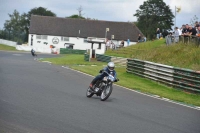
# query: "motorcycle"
[33,53]
[102,88]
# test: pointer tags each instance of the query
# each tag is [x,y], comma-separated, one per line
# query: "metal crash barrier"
[185,79]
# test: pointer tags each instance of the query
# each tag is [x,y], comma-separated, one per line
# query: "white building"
[46,31]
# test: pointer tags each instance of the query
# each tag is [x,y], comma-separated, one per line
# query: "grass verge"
[127,80]
[7,48]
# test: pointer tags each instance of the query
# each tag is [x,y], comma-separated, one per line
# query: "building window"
[38,36]
[42,37]
[66,39]
[85,40]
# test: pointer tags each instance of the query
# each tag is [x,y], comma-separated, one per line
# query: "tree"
[79,14]
[153,14]
[13,27]
[17,27]
[35,11]
[76,16]
[40,11]
[80,9]
[1,34]
[193,20]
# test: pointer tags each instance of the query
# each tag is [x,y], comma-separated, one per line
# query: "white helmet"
[111,66]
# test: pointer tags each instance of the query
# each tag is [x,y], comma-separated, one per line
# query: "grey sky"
[111,10]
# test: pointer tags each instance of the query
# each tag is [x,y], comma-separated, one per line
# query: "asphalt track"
[37,97]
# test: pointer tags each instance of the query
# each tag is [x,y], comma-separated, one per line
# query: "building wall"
[79,43]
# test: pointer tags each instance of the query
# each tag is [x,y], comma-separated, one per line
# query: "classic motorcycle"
[102,88]
[33,53]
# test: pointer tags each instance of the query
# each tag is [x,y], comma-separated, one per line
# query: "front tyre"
[89,93]
[106,92]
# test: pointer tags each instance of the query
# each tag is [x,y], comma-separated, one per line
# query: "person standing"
[198,33]
[168,39]
[192,31]
[176,35]
[112,45]
[122,44]
[107,44]
[158,33]
[145,39]
[128,42]
[139,38]
[179,31]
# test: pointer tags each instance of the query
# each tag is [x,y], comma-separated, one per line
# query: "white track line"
[153,96]
[46,61]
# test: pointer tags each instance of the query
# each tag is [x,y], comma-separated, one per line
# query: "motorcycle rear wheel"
[89,93]
[106,92]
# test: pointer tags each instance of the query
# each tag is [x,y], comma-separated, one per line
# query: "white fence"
[24,47]
[9,43]
[37,49]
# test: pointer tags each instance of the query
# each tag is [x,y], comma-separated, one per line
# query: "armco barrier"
[176,77]
[86,57]
[118,60]
[71,51]
[103,58]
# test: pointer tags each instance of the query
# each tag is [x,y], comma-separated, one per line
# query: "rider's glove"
[116,80]
[100,71]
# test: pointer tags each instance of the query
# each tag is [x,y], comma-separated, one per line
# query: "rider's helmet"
[111,66]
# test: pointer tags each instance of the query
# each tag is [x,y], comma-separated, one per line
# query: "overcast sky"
[110,10]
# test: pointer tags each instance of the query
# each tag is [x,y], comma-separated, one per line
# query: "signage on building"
[55,40]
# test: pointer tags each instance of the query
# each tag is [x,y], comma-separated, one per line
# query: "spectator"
[107,44]
[183,26]
[168,39]
[158,33]
[112,45]
[198,33]
[180,32]
[176,35]
[122,44]
[139,38]
[165,33]
[128,42]
[196,24]
[185,30]
[192,31]
[145,39]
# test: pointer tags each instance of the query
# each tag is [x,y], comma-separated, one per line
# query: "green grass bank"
[177,55]
[7,48]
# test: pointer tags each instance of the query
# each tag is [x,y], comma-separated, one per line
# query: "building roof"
[71,27]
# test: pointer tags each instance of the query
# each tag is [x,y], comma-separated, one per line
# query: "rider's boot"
[92,87]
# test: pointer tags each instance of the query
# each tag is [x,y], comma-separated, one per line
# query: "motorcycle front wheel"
[89,93]
[106,92]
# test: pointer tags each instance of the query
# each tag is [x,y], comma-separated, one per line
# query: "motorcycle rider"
[33,52]
[109,69]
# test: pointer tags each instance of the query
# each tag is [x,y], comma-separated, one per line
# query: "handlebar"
[116,79]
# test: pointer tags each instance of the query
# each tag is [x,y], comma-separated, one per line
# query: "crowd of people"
[185,31]
[171,37]
[141,39]
[111,45]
